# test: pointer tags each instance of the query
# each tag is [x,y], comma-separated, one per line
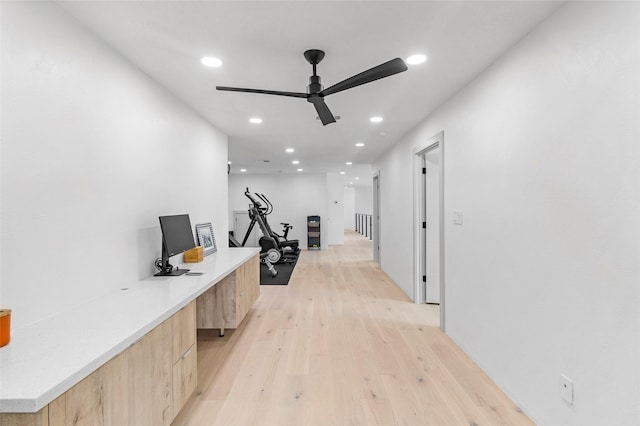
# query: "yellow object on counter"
[194,255]
[5,326]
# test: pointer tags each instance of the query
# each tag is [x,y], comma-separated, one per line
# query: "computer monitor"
[177,237]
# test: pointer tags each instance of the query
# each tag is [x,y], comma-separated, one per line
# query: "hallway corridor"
[341,345]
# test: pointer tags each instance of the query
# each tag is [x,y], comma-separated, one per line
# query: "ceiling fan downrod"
[314,57]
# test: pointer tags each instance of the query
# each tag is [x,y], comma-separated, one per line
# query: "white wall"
[542,156]
[93,152]
[349,208]
[364,199]
[294,197]
[335,209]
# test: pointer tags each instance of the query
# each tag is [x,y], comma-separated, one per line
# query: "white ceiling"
[261,45]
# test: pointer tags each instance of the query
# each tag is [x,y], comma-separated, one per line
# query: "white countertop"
[45,359]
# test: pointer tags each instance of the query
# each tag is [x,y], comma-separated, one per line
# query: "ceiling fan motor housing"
[314,85]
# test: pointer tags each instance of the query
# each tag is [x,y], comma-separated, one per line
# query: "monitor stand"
[173,273]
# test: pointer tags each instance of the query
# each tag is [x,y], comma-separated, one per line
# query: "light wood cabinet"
[248,286]
[41,418]
[149,382]
[134,388]
[184,356]
[227,303]
[97,400]
[183,334]
[150,371]
[185,378]
[80,405]
[116,390]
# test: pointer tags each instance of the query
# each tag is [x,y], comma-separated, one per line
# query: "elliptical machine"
[269,242]
[287,246]
[269,248]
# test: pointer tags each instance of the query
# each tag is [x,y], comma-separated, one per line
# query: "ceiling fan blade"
[323,110]
[264,92]
[387,69]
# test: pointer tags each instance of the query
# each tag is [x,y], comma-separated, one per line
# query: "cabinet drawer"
[185,378]
[183,330]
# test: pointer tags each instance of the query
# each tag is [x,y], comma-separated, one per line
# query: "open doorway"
[241,223]
[429,224]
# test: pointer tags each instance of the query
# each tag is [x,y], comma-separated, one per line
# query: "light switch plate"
[566,389]
[457,217]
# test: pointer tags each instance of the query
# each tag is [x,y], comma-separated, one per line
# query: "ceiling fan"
[315,91]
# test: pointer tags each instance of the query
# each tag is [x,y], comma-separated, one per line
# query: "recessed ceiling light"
[299,170]
[341,173]
[375,119]
[255,120]
[357,178]
[359,144]
[289,150]
[350,183]
[416,59]
[348,163]
[295,162]
[243,170]
[211,62]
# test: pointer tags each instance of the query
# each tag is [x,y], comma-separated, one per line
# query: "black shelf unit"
[313,232]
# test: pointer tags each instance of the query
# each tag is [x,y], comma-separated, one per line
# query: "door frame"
[437,141]
[376,217]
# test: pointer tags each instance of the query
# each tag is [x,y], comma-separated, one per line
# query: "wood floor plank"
[289,404]
[451,390]
[378,412]
[495,405]
[203,413]
[366,369]
[406,408]
[346,393]
[319,400]
[342,344]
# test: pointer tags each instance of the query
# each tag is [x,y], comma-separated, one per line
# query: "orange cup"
[5,326]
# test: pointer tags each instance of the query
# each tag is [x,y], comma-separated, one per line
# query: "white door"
[432,229]
[241,223]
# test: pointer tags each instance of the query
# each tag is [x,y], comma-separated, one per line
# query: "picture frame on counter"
[206,238]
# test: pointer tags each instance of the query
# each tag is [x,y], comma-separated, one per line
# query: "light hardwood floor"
[341,345]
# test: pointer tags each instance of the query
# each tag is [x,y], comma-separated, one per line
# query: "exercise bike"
[279,252]
[288,246]
[269,249]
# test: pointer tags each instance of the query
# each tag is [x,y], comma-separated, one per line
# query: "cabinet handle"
[186,354]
